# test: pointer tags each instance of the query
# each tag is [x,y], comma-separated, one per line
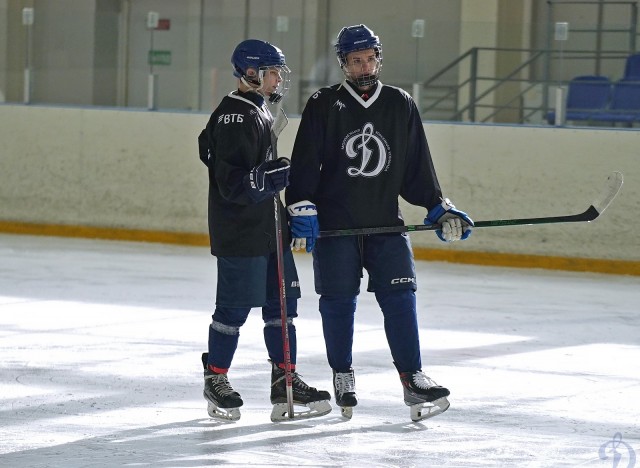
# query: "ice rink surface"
[100,347]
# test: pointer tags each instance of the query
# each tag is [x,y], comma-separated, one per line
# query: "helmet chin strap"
[256,87]
[256,84]
[272,97]
[252,86]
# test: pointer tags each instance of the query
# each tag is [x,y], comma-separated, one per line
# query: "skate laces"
[221,384]
[345,382]
[421,380]
[297,380]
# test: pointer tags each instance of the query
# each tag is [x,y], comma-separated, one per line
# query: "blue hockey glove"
[267,178]
[303,220]
[454,224]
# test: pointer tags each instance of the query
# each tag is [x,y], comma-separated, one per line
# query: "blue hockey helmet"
[252,57]
[353,39]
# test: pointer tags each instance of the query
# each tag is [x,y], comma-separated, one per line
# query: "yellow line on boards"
[593,265]
[90,232]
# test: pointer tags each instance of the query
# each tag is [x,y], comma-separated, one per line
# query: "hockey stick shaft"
[614,183]
[586,216]
[279,123]
[282,288]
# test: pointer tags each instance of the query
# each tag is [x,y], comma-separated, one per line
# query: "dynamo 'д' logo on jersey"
[369,150]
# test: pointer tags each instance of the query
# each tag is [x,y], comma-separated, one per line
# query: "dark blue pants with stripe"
[338,264]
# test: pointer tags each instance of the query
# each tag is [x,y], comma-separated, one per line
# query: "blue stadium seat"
[587,95]
[625,103]
[632,67]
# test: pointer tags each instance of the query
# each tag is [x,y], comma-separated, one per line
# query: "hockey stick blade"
[612,187]
[614,184]
[279,122]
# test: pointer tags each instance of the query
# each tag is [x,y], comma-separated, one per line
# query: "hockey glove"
[267,179]
[454,224]
[303,220]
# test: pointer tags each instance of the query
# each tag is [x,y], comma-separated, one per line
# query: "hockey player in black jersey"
[236,147]
[360,146]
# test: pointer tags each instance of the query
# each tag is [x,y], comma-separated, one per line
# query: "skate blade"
[429,409]
[227,414]
[346,411]
[314,409]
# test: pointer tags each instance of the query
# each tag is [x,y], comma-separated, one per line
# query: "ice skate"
[425,398]
[344,386]
[316,401]
[223,402]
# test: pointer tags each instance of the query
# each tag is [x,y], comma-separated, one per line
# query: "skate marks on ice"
[100,340]
[205,442]
[330,442]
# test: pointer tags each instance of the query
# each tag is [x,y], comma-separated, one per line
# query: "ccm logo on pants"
[403,280]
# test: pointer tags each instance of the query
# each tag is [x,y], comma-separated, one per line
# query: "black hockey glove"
[267,179]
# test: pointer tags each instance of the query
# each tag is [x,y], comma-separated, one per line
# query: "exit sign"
[159,57]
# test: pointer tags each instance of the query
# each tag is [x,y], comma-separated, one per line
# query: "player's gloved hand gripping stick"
[454,224]
[267,179]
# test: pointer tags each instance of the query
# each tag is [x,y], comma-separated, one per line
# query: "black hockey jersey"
[353,158]
[236,139]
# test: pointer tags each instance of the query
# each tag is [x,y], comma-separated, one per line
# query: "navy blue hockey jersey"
[353,158]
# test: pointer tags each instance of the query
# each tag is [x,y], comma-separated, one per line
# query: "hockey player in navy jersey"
[236,146]
[360,145]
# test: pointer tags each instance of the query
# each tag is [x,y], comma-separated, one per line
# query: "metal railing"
[472,91]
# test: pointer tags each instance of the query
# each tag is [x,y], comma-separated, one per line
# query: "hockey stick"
[279,123]
[612,187]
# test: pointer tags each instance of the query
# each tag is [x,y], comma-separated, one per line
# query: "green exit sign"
[159,57]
